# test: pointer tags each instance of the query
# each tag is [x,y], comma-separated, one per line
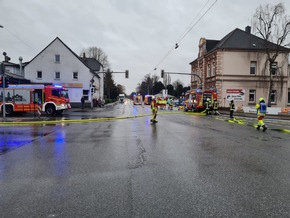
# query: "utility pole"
[3,91]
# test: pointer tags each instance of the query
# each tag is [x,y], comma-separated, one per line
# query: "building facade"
[58,64]
[235,67]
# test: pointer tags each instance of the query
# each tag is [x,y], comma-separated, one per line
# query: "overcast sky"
[137,35]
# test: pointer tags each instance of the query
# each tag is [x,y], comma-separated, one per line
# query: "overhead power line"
[19,39]
[187,30]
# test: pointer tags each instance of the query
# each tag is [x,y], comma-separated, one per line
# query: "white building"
[58,64]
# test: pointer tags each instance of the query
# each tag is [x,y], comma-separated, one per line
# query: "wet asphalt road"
[183,166]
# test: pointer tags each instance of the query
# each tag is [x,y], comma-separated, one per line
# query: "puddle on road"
[9,145]
[15,137]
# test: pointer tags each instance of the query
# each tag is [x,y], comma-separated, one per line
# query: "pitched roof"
[242,40]
[210,44]
[239,39]
[92,65]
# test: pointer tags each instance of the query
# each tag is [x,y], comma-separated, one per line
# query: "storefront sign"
[73,85]
[235,94]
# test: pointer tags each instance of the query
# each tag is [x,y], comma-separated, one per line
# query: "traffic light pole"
[92,88]
[3,96]
[104,72]
[191,74]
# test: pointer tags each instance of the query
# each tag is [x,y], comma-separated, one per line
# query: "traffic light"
[92,90]
[6,83]
[6,57]
[127,74]
[162,73]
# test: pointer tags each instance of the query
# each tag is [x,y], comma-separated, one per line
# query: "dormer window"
[57,58]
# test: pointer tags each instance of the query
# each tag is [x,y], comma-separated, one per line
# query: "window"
[39,75]
[253,67]
[75,75]
[274,68]
[57,75]
[252,95]
[57,58]
[273,96]
[208,70]
[213,69]
[56,92]
[86,94]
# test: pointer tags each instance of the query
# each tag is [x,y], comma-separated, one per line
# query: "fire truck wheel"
[8,110]
[50,110]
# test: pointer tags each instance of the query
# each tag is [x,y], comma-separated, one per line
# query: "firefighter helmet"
[261,99]
[207,99]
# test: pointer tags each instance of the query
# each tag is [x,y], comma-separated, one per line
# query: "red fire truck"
[195,99]
[52,99]
[137,99]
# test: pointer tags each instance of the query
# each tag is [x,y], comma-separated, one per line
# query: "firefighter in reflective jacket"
[207,106]
[215,107]
[154,108]
[232,108]
[261,112]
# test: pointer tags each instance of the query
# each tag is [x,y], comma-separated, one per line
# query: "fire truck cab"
[52,99]
[148,99]
[137,99]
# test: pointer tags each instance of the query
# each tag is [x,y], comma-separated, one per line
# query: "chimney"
[84,55]
[248,29]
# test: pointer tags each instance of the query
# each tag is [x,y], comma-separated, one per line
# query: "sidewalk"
[31,117]
[268,116]
[89,109]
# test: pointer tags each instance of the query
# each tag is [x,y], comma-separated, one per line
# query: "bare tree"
[273,25]
[177,83]
[98,54]
[120,89]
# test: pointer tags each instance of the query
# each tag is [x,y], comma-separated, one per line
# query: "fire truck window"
[64,93]
[55,92]
[37,95]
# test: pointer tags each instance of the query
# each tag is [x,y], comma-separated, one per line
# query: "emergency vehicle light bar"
[57,86]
